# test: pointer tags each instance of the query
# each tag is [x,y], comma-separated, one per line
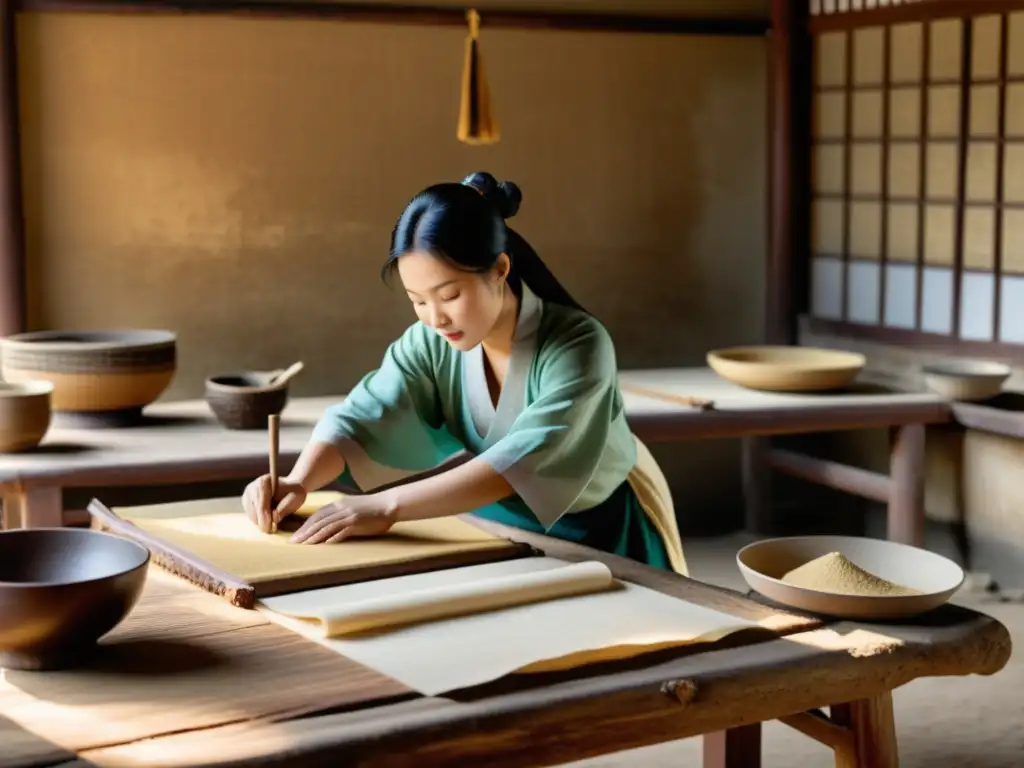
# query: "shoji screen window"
[918,180]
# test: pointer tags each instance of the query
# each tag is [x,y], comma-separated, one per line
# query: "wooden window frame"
[825,17]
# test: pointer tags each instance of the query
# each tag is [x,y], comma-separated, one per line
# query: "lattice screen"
[918,177]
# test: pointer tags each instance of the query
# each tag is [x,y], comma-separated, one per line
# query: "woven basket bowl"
[243,400]
[93,371]
[786,369]
[24,414]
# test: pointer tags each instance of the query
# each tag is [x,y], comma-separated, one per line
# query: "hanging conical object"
[476,123]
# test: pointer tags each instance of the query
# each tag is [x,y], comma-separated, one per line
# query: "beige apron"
[649,484]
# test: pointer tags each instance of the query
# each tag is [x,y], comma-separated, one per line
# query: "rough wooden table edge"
[522,729]
[621,703]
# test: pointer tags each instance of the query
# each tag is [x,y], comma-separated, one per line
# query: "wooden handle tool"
[274,428]
[286,375]
[691,402]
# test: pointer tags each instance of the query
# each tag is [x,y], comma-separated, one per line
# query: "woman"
[505,387]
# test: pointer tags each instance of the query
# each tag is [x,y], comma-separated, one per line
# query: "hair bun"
[504,195]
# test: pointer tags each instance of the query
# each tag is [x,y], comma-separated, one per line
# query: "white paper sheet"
[439,656]
[398,607]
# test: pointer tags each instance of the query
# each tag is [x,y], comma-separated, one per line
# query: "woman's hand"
[265,513]
[367,515]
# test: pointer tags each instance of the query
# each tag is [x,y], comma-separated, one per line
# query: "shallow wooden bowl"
[24,414]
[966,379]
[61,590]
[94,372]
[937,578]
[786,369]
[244,400]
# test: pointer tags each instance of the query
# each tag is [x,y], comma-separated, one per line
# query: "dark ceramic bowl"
[243,400]
[61,590]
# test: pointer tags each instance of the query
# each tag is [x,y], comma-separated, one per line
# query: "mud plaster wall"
[236,181]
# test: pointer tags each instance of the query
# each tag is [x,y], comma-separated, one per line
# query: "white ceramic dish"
[936,578]
[966,379]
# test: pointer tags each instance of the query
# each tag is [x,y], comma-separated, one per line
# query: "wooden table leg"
[757,493]
[874,733]
[907,467]
[34,507]
[734,748]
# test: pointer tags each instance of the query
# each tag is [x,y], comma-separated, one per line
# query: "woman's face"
[462,306]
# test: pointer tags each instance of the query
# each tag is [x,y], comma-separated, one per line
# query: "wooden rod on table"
[668,397]
[274,428]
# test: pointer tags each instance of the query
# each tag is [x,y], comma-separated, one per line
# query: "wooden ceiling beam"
[418,14]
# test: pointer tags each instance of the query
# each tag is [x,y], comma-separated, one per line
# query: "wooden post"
[873,727]
[735,748]
[789,169]
[907,467]
[12,228]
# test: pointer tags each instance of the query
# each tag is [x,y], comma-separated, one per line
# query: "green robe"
[558,434]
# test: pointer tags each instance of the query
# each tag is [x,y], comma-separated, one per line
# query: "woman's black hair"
[465,225]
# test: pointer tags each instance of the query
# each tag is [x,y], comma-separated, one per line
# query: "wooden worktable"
[182,443]
[187,680]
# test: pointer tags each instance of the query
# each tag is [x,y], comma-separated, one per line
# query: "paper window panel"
[1015,44]
[945,49]
[827,288]
[977,303]
[984,110]
[1013,173]
[866,169]
[829,115]
[985,47]
[943,111]
[904,113]
[904,170]
[939,234]
[827,227]
[979,238]
[942,171]
[867,114]
[868,56]
[863,290]
[1013,242]
[1015,110]
[830,59]
[900,296]
[828,167]
[1011,309]
[937,300]
[901,232]
[981,172]
[865,229]
[905,43]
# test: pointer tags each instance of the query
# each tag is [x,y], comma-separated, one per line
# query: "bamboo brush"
[274,429]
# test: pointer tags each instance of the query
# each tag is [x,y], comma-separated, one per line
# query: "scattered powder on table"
[835,573]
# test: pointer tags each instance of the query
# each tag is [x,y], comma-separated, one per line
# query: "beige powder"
[835,573]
